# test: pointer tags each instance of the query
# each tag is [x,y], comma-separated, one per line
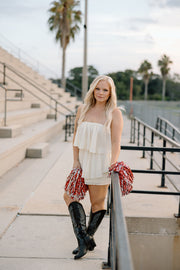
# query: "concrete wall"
[155,243]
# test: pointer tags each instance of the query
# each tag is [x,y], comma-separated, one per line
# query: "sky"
[121,34]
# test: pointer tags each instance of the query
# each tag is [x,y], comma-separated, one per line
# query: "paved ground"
[40,236]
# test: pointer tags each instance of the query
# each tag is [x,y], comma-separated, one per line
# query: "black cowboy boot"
[78,218]
[94,222]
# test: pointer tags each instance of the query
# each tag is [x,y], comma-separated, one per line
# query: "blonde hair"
[90,100]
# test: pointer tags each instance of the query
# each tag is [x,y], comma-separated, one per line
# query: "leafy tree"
[122,82]
[164,63]
[64,20]
[144,70]
[75,75]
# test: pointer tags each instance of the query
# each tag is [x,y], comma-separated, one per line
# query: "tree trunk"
[146,90]
[163,89]
[63,78]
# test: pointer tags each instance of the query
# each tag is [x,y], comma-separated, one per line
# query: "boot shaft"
[94,221]
[78,216]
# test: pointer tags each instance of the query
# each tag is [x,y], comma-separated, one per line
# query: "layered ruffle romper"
[94,143]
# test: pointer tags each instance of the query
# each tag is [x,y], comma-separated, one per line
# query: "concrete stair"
[31,120]
[25,117]
[13,150]
[13,81]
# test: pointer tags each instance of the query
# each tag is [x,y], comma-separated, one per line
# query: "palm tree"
[144,70]
[164,63]
[64,20]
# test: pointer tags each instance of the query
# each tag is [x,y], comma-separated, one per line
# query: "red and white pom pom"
[126,176]
[75,186]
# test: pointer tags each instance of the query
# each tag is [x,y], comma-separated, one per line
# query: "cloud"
[143,20]
[173,3]
[165,3]
[141,23]
[16,8]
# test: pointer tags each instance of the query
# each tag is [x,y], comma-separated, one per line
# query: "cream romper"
[94,143]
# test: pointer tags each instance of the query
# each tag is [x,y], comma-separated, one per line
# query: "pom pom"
[126,176]
[75,186]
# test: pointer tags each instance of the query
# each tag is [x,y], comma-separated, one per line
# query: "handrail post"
[138,134]
[165,129]
[163,165]
[5,108]
[157,123]
[131,141]
[160,127]
[144,140]
[70,125]
[134,133]
[4,74]
[56,111]
[173,134]
[178,214]
[152,144]
[66,129]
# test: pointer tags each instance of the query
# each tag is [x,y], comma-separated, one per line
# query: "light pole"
[84,75]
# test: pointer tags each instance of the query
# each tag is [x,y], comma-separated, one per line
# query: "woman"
[96,146]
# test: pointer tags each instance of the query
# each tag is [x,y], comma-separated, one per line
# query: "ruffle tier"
[94,143]
[94,165]
[93,137]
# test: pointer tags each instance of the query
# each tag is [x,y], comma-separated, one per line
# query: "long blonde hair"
[90,100]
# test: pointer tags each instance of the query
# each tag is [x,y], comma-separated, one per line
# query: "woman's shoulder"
[79,110]
[116,113]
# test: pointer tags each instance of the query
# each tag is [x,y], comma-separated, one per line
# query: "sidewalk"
[41,235]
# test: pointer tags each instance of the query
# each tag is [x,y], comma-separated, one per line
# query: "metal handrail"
[162,171]
[159,122]
[69,125]
[155,131]
[32,83]
[119,254]
[6,100]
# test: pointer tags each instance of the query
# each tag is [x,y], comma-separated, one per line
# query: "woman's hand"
[76,164]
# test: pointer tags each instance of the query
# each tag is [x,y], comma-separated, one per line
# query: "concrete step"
[38,150]
[13,150]
[25,117]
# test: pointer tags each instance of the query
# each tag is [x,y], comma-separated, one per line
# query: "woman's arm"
[76,163]
[116,131]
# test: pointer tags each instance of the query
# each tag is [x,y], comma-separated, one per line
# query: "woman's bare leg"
[68,200]
[97,196]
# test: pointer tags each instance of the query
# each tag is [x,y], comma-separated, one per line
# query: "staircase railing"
[139,131]
[6,99]
[34,63]
[36,86]
[119,253]
[167,128]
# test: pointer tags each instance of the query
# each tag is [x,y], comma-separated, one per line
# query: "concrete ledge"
[51,116]
[10,131]
[35,105]
[148,225]
[154,242]
[38,150]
